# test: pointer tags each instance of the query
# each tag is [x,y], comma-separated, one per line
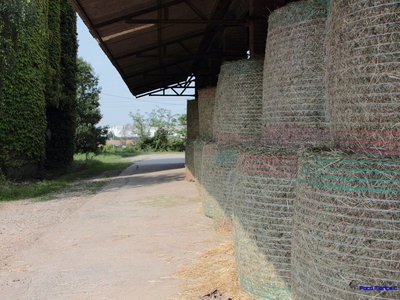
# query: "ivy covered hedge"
[38,48]
[61,118]
[22,102]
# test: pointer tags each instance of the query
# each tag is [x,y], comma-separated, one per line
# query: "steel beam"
[188,21]
[138,13]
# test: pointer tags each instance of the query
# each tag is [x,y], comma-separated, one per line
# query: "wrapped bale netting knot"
[206,102]
[262,222]
[346,227]
[238,105]
[294,96]
[209,157]
[363,73]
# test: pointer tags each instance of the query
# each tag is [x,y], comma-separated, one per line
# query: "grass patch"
[104,165]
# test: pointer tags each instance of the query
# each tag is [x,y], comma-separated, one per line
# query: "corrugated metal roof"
[157,43]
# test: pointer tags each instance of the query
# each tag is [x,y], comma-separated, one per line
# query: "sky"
[116,101]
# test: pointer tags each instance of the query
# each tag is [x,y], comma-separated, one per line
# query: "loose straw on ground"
[215,269]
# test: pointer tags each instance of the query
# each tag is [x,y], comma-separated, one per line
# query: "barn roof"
[159,44]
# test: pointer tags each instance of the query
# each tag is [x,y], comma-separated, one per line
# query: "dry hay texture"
[189,158]
[214,269]
[206,102]
[209,157]
[346,227]
[262,224]
[192,119]
[294,95]
[198,157]
[224,182]
[238,102]
[363,73]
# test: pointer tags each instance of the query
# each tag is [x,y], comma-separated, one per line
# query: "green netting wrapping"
[189,159]
[262,223]
[206,102]
[363,75]
[346,227]
[208,162]
[294,95]
[192,119]
[238,102]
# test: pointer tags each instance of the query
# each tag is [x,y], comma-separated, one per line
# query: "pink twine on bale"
[275,164]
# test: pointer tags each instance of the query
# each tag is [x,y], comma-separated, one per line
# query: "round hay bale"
[209,157]
[346,227]
[363,73]
[262,222]
[189,160]
[238,103]
[294,95]
[197,158]
[192,119]
[225,166]
[206,102]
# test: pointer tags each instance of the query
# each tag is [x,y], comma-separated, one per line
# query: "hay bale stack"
[294,94]
[197,157]
[209,157]
[206,102]
[192,134]
[263,221]
[225,166]
[363,72]
[238,106]
[346,227]
[192,119]
[189,160]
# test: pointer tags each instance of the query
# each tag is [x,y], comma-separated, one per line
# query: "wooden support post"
[258,27]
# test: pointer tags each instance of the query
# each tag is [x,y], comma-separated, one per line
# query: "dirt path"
[123,243]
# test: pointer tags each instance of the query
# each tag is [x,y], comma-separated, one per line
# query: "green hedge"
[22,102]
[61,119]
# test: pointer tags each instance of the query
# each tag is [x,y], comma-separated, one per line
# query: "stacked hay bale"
[294,77]
[192,134]
[237,116]
[293,116]
[263,221]
[363,70]
[346,227]
[206,101]
[237,120]
[208,185]
[224,177]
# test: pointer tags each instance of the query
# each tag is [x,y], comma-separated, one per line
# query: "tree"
[162,118]
[89,138]
[182,126]
[140,125]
